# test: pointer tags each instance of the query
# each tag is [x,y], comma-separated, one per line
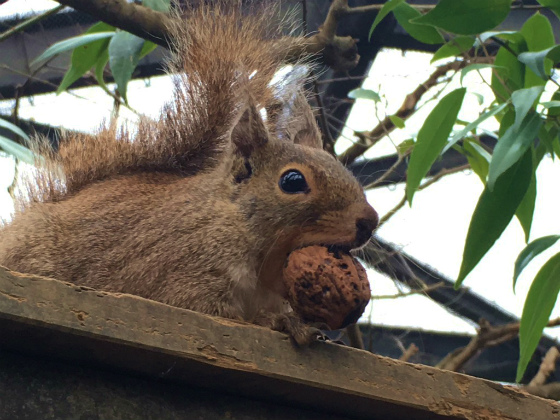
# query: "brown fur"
[188,210]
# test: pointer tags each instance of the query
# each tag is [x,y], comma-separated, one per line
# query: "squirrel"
[199,208]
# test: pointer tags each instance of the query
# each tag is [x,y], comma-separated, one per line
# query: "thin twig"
[423,290]
[432,180]
[487,336]
[26,23]
[547,367]
[388,172]
[409,352]
[407,108]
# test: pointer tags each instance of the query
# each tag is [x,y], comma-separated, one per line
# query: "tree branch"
[138,20]
[409,352]
[487,336]
[406,110]
[548,366]
[340,53]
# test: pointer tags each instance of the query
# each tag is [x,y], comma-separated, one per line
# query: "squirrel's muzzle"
[365,225]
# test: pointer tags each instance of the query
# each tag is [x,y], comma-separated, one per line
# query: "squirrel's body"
[201,208]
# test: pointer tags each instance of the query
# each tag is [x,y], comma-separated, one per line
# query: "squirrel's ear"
[304,128]
[290,114]
[250,131]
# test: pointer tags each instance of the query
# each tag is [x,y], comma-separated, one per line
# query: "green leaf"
[70,44]
[478,158]
[556,147]
[550,104]
[405,146]
[455,47]
[471,126]
[472,67]
[553,5]
[506,121]
[385,10]
[17,150]
[509,71]
[124,54]
[479,97]
[431,139]
[147,48]
[513,36]
[399,122]
[523,100]
[466,17]
[100,67]
[531,251]
[85,56]
[512,146]
[547,135]
[538,35]
[423,33]
[526,209]
[157,5]
[13,128]
[536,61]
[493,212]
[536,311]
[361,93]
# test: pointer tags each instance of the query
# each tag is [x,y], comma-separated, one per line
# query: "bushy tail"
[222,53]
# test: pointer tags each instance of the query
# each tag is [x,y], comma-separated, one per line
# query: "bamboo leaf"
[536,61]
[478,158]
[493,212]
[531,251]
[536,311]
[70,44]
[84,57]
[512,146]
[17,150]
[431,139]
[124,54]
[13,128]
[471,126]
[538,35]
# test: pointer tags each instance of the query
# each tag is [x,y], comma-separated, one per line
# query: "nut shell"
[326,287]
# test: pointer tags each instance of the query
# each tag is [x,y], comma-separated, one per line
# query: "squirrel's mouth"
[335,249]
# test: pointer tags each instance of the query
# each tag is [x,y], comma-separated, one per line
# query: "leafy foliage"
[522,74]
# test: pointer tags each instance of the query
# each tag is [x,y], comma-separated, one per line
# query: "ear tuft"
[250,132]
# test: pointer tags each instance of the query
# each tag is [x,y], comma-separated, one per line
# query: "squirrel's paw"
[291,324]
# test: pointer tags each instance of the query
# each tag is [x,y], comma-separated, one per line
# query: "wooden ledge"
[125,333]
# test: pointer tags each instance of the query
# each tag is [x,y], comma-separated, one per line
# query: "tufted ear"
[291,115]
[250,131]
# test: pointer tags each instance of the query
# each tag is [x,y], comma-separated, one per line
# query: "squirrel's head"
[293,192]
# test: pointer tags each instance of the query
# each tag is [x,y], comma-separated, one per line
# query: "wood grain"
[125,333]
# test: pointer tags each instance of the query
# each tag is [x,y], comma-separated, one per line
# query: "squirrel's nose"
[365,225]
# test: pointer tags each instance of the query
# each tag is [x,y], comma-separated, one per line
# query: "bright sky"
[433,230]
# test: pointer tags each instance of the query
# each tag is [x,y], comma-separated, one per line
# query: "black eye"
[293,182]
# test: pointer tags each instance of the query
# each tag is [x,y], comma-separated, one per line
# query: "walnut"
[326,287]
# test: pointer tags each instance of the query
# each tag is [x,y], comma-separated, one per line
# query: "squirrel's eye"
[293,182]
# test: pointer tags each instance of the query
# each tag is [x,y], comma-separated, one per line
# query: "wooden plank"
[45,316]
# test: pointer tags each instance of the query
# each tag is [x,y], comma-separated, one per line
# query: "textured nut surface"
[327,287]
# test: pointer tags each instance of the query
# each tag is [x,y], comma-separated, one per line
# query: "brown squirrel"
[200,208]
